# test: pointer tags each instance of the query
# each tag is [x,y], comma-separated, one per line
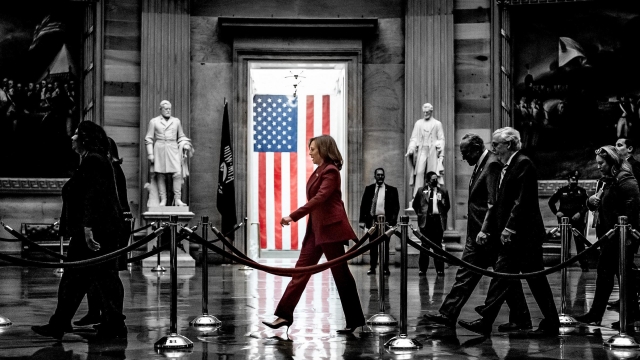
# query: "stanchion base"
[621,341]
[246,268]
[205,320]
[382,319]
[158,268]
[173,342]
[567,320]
[402,342]
[59,271]
[4,321]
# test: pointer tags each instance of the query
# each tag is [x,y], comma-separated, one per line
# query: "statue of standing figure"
[426,149]
[168,150]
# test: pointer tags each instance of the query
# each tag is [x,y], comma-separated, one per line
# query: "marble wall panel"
[384,149]
[383,98]
[388,46]
[206,45]
[18,209]
[210,84]
[299,8]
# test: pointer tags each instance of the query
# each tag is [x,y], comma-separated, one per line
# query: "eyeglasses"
[495,144]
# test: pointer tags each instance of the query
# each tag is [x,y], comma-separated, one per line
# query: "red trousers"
[310,255]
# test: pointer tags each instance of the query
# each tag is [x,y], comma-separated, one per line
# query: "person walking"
[327,232]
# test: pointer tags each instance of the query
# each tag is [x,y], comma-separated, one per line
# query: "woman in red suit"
[328,230]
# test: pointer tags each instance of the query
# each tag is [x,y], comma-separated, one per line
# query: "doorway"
[288,103]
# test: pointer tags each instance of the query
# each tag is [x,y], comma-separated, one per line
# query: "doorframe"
[348,51]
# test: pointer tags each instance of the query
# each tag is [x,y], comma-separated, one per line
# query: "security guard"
[573,199]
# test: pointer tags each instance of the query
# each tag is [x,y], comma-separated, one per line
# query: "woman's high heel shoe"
[347,330]
[277,325]
[587,318]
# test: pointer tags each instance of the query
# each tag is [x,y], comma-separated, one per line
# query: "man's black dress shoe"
[422,273]
[387,272]
[630,326]
[477,326]
[48,330]
[440,319]
[440,273]
[87,320]
[277,325]
[587,318]
[371,272]
[510,326]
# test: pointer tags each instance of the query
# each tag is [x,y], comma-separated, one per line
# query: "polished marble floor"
[241,300]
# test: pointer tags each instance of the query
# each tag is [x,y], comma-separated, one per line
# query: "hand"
[576,217]
[560,214]
[481,238]
[594,200]
[505,237]
[150,157]
[285,221]
[408,153]
[88,238]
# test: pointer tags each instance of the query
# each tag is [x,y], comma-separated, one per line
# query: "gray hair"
[164,102]
[474,140]
[510,136]
[428,106]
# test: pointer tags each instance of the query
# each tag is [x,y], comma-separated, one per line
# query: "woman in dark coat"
[92,218]
[328,230]
[616,195]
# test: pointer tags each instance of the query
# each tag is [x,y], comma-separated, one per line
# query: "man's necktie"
[502,173]
[374,202]
[473,175]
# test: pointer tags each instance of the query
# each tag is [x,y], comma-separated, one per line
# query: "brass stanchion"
[132,226]
[565,243]
[205,322]
[622,340]
[246,244]
[381,322]
[173,341]
[158,267]
[402,342]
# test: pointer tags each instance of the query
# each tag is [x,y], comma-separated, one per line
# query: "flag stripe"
[277,197]
[310,130]
[293,170]
[326,129]
[262,201]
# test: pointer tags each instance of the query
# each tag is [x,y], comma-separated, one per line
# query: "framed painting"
[47,86]
[569,79]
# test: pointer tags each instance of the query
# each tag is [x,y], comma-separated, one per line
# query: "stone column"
[429,77]
[165,71]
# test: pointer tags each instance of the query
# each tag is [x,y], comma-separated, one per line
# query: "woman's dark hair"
[113,152]
[328,150]
[93,138]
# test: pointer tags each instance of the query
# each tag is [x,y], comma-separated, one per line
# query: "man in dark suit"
[516,214]
[431,204]
[481,243]
[573,204]
[379,199]
[625,148]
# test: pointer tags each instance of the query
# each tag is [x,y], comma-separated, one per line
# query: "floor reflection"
[241,300]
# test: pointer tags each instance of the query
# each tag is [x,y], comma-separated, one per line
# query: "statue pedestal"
[162,213]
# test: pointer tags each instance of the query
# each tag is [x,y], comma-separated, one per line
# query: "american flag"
[282,127]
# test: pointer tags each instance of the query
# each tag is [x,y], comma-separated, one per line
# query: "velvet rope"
[292,271]
[580,237]
[87,262]
[143,228]
[228,243]
[454,260]
[23,238]
[159,249]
